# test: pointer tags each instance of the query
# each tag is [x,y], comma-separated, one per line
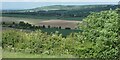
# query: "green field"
[64,32]
[42,17]
[70,12]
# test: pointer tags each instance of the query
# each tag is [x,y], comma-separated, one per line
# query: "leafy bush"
[101,29]
[99,39]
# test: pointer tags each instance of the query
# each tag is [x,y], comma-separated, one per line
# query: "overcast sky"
[59,0]
[28,4]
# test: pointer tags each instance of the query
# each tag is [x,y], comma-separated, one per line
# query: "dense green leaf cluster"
[102,29]
[33,42]
[99,39]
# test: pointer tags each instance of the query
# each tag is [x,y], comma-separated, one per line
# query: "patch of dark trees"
[23,25]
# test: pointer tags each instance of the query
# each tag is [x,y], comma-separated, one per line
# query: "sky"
[28,4]
[59,0]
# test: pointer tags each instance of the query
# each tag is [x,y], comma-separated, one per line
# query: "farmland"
[56,16]
[52,23]
[61,12]
[40,22]
[92,35]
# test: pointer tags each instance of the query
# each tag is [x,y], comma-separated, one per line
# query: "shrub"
[101,29]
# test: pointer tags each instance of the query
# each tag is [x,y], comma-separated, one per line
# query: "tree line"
[24,25]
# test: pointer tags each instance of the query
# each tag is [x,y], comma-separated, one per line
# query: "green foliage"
[33,42]
[101,29]
[99,39]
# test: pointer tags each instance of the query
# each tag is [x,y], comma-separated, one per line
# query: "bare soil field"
[17,20]
[39,22]
[59,23]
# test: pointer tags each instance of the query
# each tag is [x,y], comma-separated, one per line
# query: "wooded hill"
[67,12]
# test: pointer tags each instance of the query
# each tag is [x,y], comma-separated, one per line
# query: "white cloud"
[59,0]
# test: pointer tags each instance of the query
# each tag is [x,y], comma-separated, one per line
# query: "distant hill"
[67,7]
[67,12]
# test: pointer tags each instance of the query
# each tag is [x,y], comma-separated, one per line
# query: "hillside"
[65,7]
[64,12]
